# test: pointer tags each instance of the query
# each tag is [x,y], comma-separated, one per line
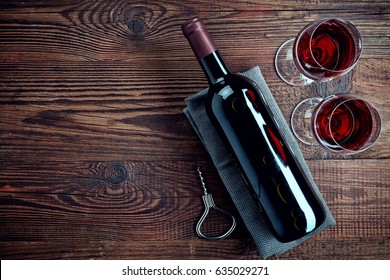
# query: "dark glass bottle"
[245,123]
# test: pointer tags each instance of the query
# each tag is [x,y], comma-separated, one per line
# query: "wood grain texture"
[97,160]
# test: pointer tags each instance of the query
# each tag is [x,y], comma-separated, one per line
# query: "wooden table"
[98,161]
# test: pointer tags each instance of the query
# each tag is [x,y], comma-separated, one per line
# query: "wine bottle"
[247,126]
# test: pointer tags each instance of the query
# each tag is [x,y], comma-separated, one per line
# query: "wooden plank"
[315,249]
[87,111]
[98,161]
[291,5]
[156,202]
[108,32]
[173,249]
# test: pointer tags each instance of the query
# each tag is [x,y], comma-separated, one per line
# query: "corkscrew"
[208,202]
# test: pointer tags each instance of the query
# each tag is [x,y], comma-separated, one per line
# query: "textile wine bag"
[256,224]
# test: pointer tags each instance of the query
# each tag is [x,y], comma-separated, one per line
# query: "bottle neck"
[205,50]
[214,68]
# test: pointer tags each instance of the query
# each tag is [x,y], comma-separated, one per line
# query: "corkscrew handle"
[208,202]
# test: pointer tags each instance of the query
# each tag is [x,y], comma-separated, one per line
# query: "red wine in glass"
[346,124]
[327,49]
[322,51]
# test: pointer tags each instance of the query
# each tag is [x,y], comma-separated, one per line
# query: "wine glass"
[323,50]
[345,124]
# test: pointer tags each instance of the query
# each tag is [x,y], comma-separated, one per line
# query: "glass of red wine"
[323,50]
[345,124]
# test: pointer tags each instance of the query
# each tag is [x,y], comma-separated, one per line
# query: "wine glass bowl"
[323,50]
[345,124]
[327,49]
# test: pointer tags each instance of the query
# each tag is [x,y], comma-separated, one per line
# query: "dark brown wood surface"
[98,161]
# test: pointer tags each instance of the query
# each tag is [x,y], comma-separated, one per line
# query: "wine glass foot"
[285,66]
[301,120]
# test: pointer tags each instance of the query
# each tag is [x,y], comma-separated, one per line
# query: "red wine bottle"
[246,125]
